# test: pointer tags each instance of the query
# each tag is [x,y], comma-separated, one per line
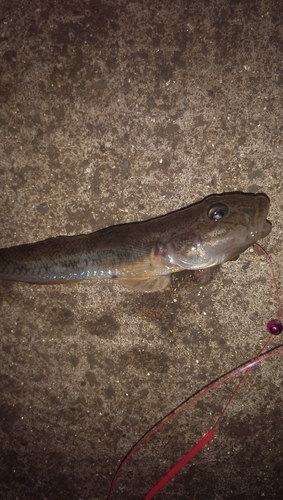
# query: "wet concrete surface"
[111,112]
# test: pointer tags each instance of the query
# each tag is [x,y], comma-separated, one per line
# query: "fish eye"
[217,212]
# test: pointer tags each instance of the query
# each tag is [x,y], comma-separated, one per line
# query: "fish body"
[142,255]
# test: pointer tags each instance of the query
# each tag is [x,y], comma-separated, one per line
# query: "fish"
[142,255]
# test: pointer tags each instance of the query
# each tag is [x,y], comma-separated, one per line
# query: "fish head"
[220,228]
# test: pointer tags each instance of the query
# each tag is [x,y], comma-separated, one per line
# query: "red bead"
[274,327]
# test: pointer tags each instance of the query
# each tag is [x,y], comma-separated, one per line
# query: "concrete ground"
[115,111]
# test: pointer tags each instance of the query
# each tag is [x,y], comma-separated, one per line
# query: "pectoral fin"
[140,284]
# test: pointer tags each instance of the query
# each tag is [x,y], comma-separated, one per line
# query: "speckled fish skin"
[142,255]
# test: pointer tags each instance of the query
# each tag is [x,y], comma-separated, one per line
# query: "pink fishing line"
[179,465]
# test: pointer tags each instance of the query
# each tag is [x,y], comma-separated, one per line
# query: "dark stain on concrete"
[105,326]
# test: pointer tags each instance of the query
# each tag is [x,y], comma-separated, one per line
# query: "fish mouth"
[261,227]
[266,228]
[257,228]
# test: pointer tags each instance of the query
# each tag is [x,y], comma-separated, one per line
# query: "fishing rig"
[274,328]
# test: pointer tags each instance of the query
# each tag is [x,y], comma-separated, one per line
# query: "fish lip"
[266,228]
[261,225]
